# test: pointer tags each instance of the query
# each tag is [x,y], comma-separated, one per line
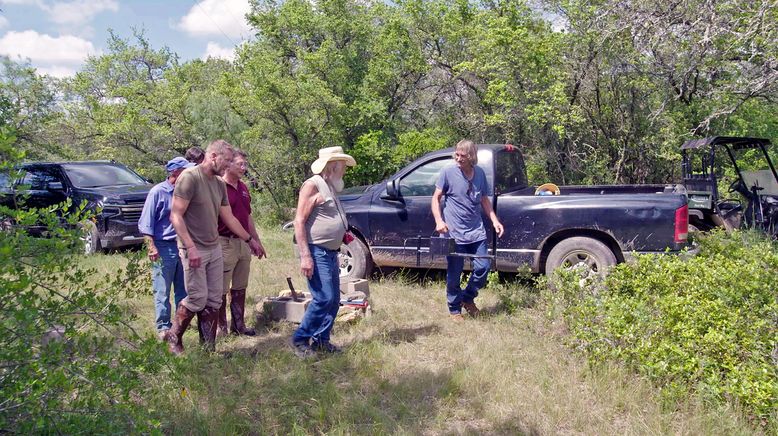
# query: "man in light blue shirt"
[465,190]
[160,236]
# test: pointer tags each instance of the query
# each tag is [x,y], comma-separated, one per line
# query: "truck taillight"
[681,224]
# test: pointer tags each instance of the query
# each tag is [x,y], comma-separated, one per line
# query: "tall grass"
[409,370]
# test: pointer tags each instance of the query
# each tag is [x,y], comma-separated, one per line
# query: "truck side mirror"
[392,193]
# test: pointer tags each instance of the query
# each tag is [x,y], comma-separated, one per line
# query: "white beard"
[338,184]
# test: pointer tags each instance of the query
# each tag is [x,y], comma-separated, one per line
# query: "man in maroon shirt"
[237,255]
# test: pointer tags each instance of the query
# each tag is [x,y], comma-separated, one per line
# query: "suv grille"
[131,212]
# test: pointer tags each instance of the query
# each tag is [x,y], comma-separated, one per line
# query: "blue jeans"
[454,293]
[324,285]
[166,271]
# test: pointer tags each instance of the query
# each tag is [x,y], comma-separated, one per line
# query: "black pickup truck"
[597,226]
[110,189]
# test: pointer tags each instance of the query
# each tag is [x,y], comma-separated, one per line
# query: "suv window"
[98,175]
[421,181]
[38,179]
[510,173]
[5,181]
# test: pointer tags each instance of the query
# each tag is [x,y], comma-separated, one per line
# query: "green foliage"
[69,361]
[708,324]
[599,92]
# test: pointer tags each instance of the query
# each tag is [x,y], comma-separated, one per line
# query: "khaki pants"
[237,262]
[204,283]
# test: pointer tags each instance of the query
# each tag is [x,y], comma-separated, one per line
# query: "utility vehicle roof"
[738,143]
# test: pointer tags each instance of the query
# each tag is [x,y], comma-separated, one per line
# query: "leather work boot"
[471,309]
[237,309]
[221,330]
[181,320]
[207,319]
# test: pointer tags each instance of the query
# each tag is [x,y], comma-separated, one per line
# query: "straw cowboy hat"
[331,154]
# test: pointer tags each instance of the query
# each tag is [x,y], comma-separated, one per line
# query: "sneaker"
[302,350]
[325,347]
[456,317]
[471,309]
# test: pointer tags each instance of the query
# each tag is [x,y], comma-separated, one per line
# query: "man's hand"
[153,252]
[441,227]
[306,266]
[194,257]
[498,228]
[257,249]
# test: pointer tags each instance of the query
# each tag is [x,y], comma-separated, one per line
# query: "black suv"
[111,189]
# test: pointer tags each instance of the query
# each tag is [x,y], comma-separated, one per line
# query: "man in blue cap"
[160,236]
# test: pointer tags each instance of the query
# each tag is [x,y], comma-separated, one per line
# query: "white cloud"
[45,49]
[3,21]
[58,71]
[69,13]
[214,50]
[217,17]
[78,12]
[22,2]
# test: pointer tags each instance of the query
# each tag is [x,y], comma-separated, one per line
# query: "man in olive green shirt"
[199,200]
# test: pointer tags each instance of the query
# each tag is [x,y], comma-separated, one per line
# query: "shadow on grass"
[352,393]
[403,335]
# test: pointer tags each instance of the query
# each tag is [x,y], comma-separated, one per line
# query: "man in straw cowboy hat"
[320,227]
[464,188]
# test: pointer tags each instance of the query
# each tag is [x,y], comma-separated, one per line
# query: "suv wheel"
[90,238]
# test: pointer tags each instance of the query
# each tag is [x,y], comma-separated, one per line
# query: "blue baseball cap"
[178,163]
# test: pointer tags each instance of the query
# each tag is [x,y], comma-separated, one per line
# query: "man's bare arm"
[440,225]
[309,198]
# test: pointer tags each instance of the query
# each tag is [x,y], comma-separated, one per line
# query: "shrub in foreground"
[707,324]
[69,361]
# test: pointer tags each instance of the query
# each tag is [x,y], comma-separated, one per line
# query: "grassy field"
[407,369]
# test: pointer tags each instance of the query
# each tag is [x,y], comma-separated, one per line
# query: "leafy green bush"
[707,324]
[69,361]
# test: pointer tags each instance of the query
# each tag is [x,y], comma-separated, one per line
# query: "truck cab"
[595,225]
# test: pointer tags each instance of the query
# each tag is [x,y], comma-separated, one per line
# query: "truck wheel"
[355,261]
[90,238]
[580,251]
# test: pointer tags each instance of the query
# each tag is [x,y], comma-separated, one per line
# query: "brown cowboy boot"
[207,320]
[472,309]
[181,320]
[237,309]
[221,330]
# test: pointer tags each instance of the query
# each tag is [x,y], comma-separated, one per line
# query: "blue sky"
[56,36]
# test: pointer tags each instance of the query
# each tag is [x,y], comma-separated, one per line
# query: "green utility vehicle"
[752,195]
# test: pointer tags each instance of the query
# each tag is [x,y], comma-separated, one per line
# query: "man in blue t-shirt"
[465,191]
[166,267]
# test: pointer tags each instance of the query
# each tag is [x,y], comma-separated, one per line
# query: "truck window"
[421,181]
[98,175]
[510,172]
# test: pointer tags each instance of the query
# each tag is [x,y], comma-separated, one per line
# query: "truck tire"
[355,261]
[90,238]
[580,250]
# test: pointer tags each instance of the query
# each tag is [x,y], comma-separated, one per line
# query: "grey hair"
[470,149]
